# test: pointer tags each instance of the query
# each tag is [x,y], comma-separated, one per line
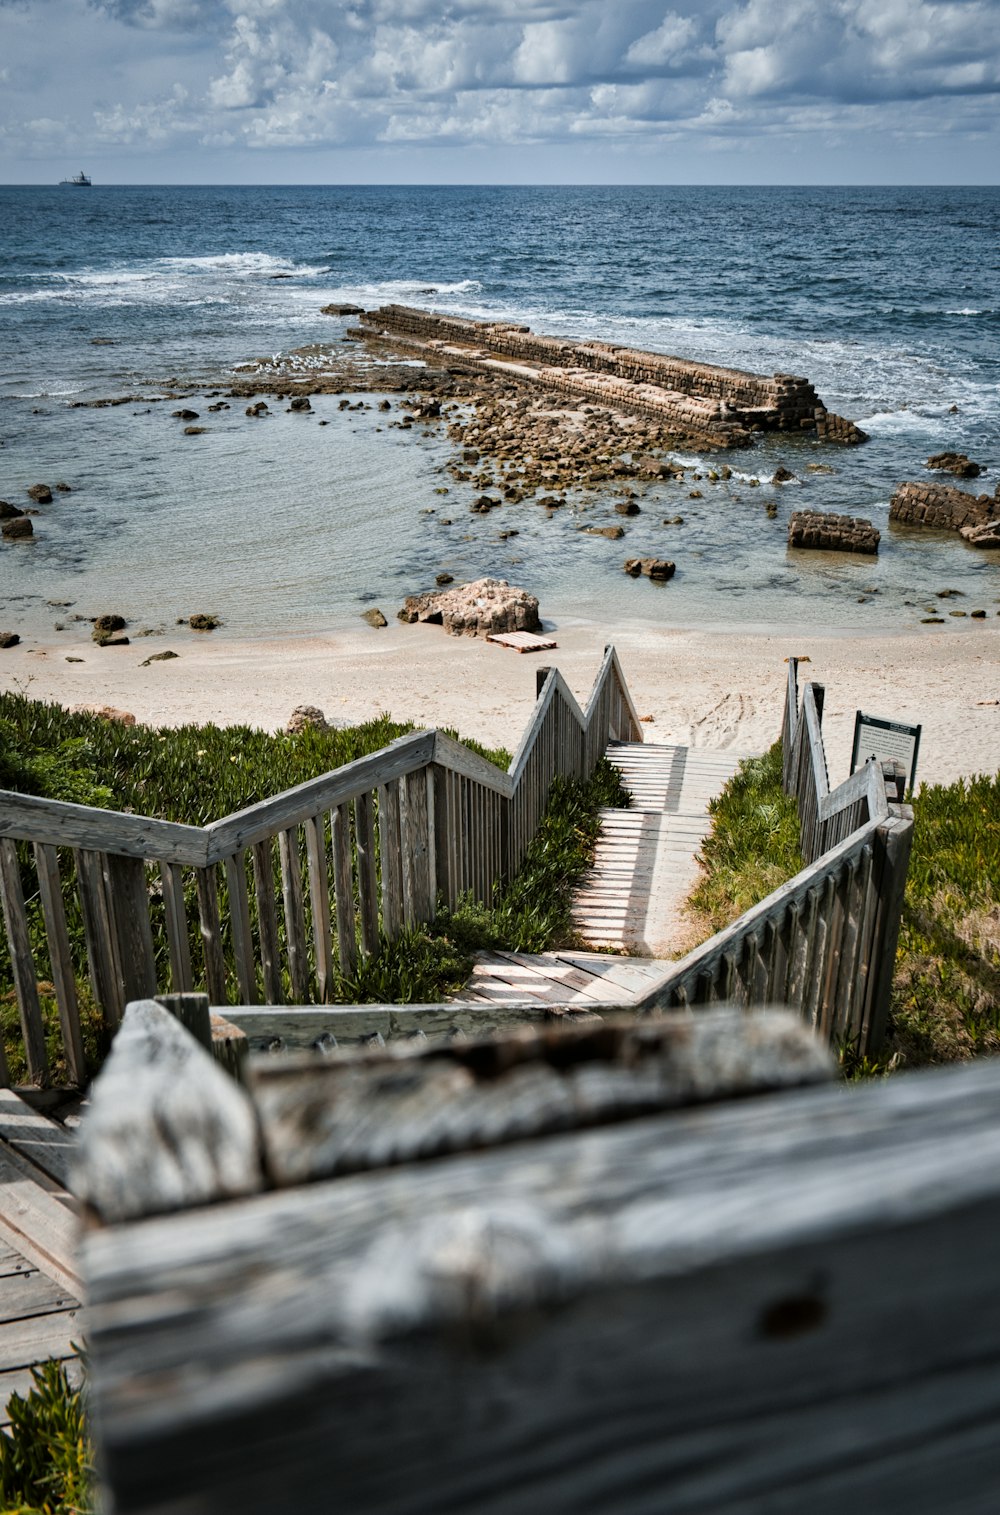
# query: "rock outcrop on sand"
[9,639]
[306,718]
[832,533]
[483,608]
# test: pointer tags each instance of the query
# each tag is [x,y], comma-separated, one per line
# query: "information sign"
[886,740]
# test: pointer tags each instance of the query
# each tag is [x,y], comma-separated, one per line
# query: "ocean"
[887,299]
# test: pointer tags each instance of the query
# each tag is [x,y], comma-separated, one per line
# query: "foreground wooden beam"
[782,1303]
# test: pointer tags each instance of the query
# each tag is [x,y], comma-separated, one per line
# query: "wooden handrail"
[287,890]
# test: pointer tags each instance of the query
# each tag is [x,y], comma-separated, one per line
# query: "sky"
[500,91]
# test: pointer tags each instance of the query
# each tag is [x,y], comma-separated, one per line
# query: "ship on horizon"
[81,180]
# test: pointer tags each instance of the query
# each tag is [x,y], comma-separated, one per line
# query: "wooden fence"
[824,943]
[276,901]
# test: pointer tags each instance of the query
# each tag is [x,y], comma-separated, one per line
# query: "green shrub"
[753,847]
[46,1460]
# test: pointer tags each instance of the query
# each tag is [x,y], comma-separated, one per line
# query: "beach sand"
[702,688]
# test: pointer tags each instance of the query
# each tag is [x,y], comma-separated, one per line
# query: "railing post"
[893,841]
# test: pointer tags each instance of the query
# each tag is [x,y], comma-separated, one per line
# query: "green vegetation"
[753,846]
[193,774]
[946,994]
[46,1460]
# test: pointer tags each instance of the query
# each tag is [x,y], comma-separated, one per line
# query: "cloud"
[328,73]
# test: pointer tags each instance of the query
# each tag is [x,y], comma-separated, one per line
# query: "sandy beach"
[703,688]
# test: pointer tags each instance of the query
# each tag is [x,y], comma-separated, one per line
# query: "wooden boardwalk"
[39,1290]
[632,901]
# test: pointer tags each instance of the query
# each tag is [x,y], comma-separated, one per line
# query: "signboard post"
[886,740]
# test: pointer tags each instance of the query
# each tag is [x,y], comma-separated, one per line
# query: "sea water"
[887,299]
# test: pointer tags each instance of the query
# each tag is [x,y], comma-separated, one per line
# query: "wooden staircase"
[632,900]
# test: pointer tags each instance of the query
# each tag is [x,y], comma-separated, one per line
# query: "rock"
[484,504]
[41,494]
[9,638]
[194,431]
[342,310]
[385,405]
[109,623]
[832,533]
[781,474]
[306,718]
[158,657]
[62,488]
[106,712]
[613,533]
[260,409]
[986,535]
[300,404]
[955,462]
[941,507]
[444,578]
[184,415]
[18,529]
[977,615]
[374,618]
[626,508]
[105,639]
[9,511]
[660,569]
[482,608]
[202,622]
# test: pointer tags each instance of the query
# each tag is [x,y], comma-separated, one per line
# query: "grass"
[753,846]
[946,992]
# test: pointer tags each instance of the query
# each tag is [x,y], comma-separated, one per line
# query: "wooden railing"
[824,943]
[274,902]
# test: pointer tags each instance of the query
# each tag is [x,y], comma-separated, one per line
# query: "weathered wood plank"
[301,1027]
[38,1338]
[697,1285]
[364,834]
[22,965]
[25,817]
[239,921]
[319,900]
[392,861]
[34,1136]
[211,933]
[343,884]
[295,916]
[321,1118]
[35,1222]
[166,1127]
[134,937]
[175,916]
[22,1297]
[192,1012]
[267,921]
[60,959]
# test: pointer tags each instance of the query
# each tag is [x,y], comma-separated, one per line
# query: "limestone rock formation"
[986,535]
[955,462]
[942,507]
[832,533]
[306,718]
[482,608]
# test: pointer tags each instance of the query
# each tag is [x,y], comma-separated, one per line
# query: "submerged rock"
[41,494]
[955,462]
[660,569]
[17,529]
[202,622]
[832,533]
